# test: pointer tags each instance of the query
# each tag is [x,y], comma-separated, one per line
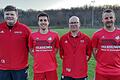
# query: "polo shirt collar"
[13,25]
[78,34]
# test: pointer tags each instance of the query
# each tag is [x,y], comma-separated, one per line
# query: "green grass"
[91,64]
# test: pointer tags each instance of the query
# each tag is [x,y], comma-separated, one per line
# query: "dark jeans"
[14,74]
[70,78]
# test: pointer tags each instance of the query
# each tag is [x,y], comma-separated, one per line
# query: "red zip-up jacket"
[14,46]
[74,52]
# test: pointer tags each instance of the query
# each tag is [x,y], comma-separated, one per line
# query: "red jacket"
[74,53]
[14,46]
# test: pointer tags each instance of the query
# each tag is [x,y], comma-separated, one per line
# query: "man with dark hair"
[10,8]
[106,48]
[43,14]
[13,46]
[75,52]
[44,45]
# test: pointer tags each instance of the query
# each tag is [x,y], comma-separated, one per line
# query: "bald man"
[75,52]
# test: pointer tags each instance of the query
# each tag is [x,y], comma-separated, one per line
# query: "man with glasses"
[106,48]
[13,46]
[75,52]
[44,45]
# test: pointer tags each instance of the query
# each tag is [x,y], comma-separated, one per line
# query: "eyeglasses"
[73,22]
[41,20]
[106,18]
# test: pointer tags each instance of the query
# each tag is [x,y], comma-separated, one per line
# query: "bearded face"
[108,20]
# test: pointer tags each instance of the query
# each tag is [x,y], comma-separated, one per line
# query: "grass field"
[91,64]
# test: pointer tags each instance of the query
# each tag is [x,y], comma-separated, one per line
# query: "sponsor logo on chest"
[68,69]
[18,32]
[37,38]
[49,38]
[82,41]
[117,37]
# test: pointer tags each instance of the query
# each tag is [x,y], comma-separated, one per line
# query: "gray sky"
[55,4]
[28,4]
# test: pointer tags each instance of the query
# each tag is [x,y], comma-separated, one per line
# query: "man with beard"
[75,52]
[106,48]
[44,45]
[13,46]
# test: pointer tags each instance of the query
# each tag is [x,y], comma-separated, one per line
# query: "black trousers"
[70,78]
[14,74]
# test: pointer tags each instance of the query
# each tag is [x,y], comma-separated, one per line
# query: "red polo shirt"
[14,46]
[108,54]
[44,55]
[74,51]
